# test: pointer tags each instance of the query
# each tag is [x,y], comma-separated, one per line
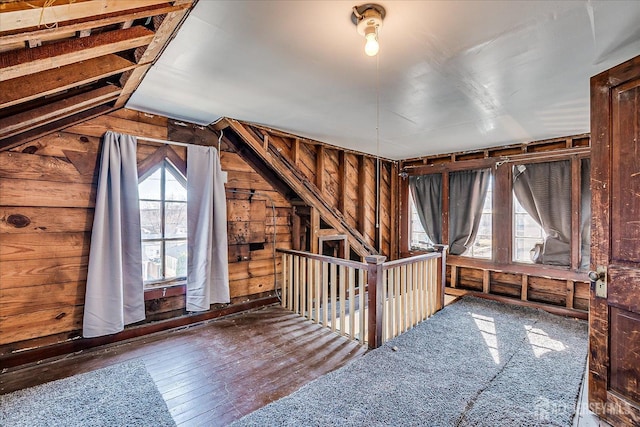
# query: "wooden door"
[614,357]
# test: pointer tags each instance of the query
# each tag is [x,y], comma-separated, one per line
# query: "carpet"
[474,363]
[119,395]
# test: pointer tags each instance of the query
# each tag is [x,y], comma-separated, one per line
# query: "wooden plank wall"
[47,195]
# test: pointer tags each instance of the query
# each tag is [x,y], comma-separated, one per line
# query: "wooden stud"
[502,218]
[486,281]
[342,181]
[295,152]
[315,229]
[525,288]
[362,195]
[571,288]
[320,169]
[454,276]
[394,223]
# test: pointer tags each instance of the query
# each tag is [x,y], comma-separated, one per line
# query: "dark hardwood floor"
[215,373]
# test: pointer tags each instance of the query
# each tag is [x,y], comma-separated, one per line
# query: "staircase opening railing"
[371,301]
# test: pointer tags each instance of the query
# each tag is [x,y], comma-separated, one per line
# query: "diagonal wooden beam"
[82,116]
[36,13]
[48,82]
[303,187]
[126,17]
[17,63]
[26,120]
[163,35]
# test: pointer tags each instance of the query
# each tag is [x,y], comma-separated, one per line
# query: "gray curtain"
[114,294]
[427,197]
[544,191]
[208,269]
[467,191]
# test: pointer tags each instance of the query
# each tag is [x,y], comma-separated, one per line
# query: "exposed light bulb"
[372,47]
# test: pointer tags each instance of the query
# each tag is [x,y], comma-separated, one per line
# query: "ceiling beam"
[62,29]
[17,123]
[48,82]
[18,63]
[20,15]
[164,34]
[83,116]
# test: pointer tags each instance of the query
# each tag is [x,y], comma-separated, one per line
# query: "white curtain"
[115,295]
[208,270]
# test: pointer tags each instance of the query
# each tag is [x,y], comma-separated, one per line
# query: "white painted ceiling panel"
[452,75]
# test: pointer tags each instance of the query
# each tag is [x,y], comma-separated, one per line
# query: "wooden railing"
[371,302]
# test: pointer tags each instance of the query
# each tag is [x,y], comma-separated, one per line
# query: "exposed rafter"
[59,60]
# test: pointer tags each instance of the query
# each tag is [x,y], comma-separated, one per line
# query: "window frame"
[165,167]
[146,167]
[502,209]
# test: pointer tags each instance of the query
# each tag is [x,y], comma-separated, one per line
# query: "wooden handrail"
[404,261]
[325,258]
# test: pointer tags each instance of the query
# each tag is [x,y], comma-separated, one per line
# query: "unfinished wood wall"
[47,195]
[348,184]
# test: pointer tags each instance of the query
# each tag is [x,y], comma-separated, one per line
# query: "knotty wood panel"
[34,167]
[15,301]
[16,247]
[18,192]
[29,325]
[54,144]
[23,220]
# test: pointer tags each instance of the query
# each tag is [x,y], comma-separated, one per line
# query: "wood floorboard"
[214,373]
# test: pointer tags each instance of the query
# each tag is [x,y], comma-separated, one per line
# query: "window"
[482,246]
[163,220]
[527,234]
[419,238]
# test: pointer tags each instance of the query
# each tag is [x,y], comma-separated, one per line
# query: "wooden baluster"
[415,314]
[362,291]
[317,283]
[391,320]
[310,287]
[285,280]
[406,305]
[398,295]
[343,299]
[334,292]
[291,284]
[303,286]
[352,303]
[296,285]
[325,294]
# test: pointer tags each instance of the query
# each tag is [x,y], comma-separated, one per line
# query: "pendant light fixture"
[368,20]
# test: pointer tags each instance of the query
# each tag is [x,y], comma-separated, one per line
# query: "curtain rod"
[162,141]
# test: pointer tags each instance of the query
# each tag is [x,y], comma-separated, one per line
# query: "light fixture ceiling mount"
[368,20]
